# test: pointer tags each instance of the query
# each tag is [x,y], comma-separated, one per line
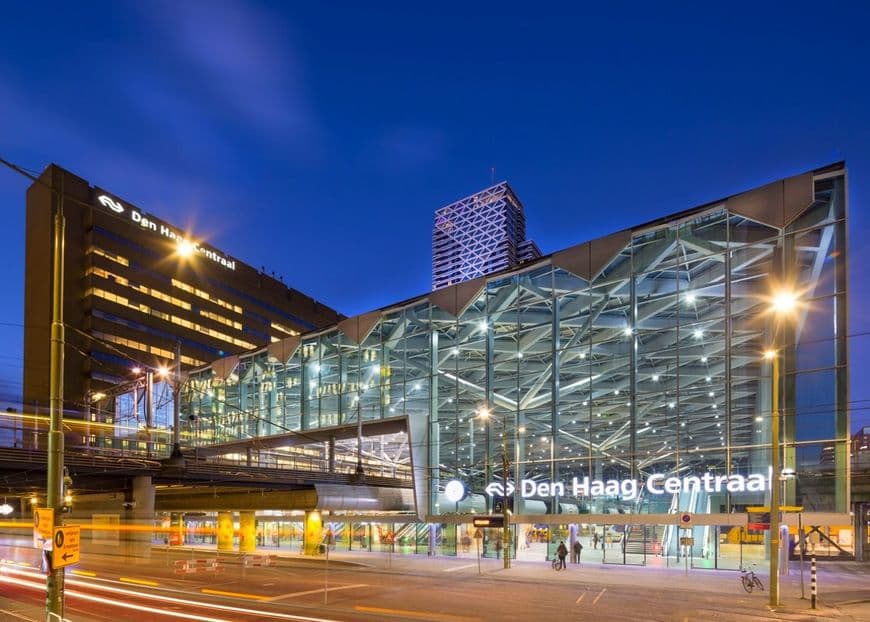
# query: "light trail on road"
[5,577]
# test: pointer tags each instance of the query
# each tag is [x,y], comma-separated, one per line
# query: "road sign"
[66,546]
[43,522]
[478,533]
[685,520]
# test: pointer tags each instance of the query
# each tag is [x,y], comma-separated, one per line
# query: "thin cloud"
[242,56]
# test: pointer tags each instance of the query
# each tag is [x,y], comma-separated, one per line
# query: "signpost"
[43,523]
[66,550]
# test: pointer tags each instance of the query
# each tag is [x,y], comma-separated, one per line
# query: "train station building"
[600,392]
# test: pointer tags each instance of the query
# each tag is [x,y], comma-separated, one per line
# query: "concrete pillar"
[312,533]
[225,531]
[247,532]
[176,536]
[141,513]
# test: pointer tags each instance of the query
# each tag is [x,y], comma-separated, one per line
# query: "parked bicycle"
[750,580]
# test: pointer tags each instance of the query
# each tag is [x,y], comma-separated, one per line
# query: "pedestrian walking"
[562,552]
[577,548]
[595,540]
[498,547]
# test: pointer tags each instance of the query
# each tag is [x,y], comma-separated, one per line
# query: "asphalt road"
[402,589]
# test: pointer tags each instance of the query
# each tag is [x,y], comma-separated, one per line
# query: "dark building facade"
[135,286]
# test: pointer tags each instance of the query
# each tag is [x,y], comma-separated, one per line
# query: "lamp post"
[505,466]
[54,586]
[773,356]
[782,303]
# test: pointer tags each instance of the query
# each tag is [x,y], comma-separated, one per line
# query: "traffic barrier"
[260,560]
[813,585]
[192,566]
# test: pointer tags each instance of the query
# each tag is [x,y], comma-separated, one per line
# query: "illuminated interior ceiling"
[627,371]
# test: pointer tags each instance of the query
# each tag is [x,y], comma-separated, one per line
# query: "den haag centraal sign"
[628,489]
[147,224]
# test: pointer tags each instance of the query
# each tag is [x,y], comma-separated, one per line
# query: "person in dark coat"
[562,552]
[577,548]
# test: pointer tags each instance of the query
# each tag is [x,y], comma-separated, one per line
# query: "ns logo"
[111,203]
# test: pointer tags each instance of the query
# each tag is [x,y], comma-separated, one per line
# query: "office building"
[479,235]
[623,376]
[134,286]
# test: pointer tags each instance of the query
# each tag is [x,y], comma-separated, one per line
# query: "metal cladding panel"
[282,350]
[575,260]
[775,204]
[605,249]
[456,298]
[225,366]
[364,498]
[357,328]
[762,204]
[799,194]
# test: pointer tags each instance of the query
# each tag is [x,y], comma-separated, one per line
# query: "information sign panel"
[43,522]
[66,550]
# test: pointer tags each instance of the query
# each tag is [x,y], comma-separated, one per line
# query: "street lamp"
[783,302]
[484,413]
[773,356]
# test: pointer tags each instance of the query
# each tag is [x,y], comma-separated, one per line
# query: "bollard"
[813,585]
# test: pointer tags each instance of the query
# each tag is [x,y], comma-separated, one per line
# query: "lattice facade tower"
[478,235]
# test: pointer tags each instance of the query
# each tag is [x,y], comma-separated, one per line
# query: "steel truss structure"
[633,354]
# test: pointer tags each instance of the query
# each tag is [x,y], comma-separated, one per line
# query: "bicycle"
[750,580]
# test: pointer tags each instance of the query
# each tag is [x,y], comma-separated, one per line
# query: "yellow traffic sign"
[43,522]
[66,549]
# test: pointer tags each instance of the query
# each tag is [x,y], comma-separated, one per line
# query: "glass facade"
[631,359]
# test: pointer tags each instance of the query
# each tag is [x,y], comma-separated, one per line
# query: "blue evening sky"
[317,138]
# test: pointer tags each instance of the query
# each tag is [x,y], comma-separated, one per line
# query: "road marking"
[455,568]
[15,615]
[84,573]
[599,596]
[318,591]
[424,615]
[139,581]
[206,590]
[577,602]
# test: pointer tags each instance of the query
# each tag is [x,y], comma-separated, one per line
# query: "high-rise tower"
[479,234]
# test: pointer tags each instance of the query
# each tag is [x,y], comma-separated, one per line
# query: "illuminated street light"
[185,248]
[782,303]
[163,371]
